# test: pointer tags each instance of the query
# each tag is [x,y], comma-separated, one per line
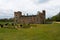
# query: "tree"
[56,17]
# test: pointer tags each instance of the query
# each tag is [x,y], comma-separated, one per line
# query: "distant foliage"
[7,20]
[56,17]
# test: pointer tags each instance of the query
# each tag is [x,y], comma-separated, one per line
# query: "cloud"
[6,13]
[29,6]
[40,1]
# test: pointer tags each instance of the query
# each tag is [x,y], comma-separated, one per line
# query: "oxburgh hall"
[29,19]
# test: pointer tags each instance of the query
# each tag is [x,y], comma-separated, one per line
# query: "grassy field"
[37,32]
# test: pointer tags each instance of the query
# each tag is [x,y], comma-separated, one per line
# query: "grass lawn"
[39,32]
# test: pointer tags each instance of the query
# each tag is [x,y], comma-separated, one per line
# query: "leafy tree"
[56,17]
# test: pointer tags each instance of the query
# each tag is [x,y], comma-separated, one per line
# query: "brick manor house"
[29,19]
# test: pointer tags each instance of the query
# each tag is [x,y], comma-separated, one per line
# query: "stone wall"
[30,19]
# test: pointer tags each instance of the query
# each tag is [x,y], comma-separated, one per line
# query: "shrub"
[25,25]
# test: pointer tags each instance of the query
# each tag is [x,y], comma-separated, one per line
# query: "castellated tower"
[41,17]
[29,19]
[17,16]
[44,15]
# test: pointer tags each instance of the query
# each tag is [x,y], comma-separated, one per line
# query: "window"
[16,15]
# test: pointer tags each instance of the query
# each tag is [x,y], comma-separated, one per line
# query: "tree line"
[54,18]
[7,20]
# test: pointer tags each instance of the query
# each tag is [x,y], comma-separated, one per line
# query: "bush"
[25,25]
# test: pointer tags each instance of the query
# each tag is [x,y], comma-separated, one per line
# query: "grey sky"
[7,7]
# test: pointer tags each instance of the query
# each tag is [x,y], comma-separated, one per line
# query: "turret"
[44,15]
[17,16]
[41,16]
[43,12]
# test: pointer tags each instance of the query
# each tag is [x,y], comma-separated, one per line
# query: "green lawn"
[37,32]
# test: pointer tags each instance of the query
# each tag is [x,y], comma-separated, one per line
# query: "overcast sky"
[7,7]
